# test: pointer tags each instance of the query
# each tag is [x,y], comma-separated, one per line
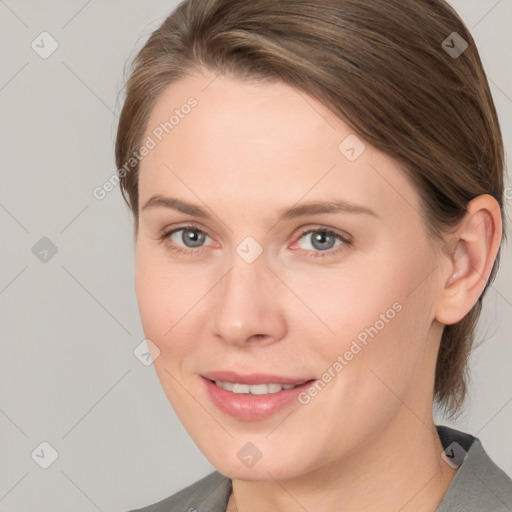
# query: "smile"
[253,401]
[254,389]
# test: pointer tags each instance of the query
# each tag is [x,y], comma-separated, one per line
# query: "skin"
[245,153]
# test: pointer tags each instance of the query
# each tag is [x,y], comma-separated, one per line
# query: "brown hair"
[383,68]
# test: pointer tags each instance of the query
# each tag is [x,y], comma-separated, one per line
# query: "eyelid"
[319,227]
[302,230]
[346,242]
[344,237]
[167,232]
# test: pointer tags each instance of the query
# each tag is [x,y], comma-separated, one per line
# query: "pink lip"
[245,406]
[253,378]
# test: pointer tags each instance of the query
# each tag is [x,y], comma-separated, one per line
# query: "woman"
[317,194]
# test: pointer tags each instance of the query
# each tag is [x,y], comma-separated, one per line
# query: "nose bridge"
[247,307]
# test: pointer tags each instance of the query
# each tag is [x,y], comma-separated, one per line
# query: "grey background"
[69,325]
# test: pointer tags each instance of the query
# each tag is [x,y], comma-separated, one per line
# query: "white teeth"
[254,389]
[241,388]
[258,389]
[274,388]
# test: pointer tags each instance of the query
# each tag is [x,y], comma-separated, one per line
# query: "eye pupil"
[325,240]
[194,236]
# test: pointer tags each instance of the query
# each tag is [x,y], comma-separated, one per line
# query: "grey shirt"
[479,485]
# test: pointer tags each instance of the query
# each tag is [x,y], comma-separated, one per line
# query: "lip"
[253,378]
[250,407]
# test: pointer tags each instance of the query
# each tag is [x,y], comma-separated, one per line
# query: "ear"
[469,255]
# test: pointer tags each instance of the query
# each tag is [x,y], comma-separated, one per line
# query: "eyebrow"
[311,208]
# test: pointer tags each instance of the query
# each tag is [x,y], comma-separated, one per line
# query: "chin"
[261,471]
[241,459]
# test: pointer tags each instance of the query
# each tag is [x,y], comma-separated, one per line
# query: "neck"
[399,469]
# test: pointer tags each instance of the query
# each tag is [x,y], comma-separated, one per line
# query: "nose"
[249,305]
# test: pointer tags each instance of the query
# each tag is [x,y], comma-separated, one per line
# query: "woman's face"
[256,285]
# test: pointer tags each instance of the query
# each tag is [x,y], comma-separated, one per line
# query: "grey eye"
[190,237]
[320,239]
[193,237]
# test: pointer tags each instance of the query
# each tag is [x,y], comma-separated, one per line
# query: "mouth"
[253,397]
[254,379]
[255,389]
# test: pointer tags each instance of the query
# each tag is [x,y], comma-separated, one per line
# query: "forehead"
[242,142]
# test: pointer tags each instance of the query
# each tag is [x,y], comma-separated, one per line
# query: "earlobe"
[471,252]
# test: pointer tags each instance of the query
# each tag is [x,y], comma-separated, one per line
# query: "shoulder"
[479,484]
[210,494]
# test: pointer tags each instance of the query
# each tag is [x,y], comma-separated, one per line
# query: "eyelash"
[317,254]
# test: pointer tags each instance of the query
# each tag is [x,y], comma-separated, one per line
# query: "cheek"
[167,296]
[358,296]
[379,314]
